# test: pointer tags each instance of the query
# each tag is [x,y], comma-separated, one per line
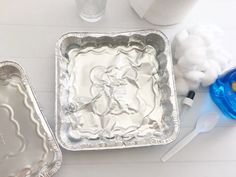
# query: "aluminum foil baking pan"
[115,90]
[27,146]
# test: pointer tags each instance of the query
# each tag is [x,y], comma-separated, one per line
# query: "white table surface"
[29,30]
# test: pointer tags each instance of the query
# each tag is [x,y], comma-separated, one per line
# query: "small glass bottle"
[91,10]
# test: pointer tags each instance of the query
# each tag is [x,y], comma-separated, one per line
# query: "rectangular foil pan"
[27,146]
[115,90]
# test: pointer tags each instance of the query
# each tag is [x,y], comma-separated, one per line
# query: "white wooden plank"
[40,13]
[28,42]
[34,49]
[210,169]
[215,12]
[24,37]
[53,13]
[211,144]
[218,145]
[40,72]
[29,30]
[36,42]
[39,42]
[203,104]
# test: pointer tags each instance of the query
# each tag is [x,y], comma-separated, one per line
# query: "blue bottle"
[223,93]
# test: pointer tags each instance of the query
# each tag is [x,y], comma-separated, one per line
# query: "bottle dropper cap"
[191,94]
[188,100]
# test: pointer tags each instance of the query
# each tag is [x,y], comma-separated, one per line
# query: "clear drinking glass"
[91,10]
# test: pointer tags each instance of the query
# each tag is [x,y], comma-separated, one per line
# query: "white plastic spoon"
[204,124]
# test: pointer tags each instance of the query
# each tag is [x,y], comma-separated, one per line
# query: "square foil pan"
[115,90]
[27,146]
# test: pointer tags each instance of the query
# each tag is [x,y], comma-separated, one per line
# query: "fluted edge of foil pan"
[45,172]
[171,81]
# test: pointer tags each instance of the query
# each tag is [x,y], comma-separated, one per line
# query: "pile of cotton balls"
[199,57]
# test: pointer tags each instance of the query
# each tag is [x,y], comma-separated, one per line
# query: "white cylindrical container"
[163,12]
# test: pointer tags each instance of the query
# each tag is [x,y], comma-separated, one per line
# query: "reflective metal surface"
[27,146]
[115,90]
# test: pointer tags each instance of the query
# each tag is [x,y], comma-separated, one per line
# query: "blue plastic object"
[223,93]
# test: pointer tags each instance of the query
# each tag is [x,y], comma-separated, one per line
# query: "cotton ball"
[192,42]
[177,52]
[187,44]
[210,34]
[227,55]
[221,61]
[180,37]
[192,58]
[212,51]
[203,67]
[197,29]
[217,56]
[196,55]
[200,57]
[193,84]
[218,32]
[177,72]
[209,78]
[182,86]
[194,75]
[213,48]
[208,37]
[185,68]
[215,66]
[185,65]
